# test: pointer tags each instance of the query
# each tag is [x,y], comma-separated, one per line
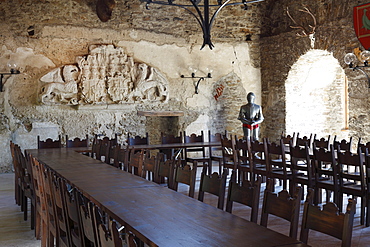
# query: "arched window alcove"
[316,96]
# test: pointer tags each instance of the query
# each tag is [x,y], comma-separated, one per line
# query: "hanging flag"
[361,24]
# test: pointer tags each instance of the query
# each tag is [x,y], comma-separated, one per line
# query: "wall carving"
[106,76]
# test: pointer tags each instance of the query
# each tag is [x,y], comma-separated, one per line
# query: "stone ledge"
[160,113]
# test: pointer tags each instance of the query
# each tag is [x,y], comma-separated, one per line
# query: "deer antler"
[305,32]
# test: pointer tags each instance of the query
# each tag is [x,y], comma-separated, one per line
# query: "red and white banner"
[361,24]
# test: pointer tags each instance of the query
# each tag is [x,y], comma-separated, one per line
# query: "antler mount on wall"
[305,31]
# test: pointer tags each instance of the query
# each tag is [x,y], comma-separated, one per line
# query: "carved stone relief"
[105,76]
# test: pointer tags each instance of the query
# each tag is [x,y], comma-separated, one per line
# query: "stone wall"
[41,36]
[281,49]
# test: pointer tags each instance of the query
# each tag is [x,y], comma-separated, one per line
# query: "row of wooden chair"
[300,167]
[60,214]
[325,143]
[68,218]
[50,143]
[247,192]
[336,171]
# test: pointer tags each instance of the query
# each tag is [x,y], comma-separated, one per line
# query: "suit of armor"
[251,116]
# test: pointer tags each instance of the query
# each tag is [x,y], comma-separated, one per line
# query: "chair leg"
[25,206]
[32,216]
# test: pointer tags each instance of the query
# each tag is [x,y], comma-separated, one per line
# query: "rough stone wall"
[43,35]
[281,48]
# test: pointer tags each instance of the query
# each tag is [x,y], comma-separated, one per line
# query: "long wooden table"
[157,215]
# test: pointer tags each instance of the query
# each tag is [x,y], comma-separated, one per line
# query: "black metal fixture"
[13,71]
[205,20]
[201,78]
[352,60]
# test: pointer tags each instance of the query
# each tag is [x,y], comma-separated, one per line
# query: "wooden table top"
[157,215]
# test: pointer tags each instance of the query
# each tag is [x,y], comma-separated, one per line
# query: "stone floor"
[14,231]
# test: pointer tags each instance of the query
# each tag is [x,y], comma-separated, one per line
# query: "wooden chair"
[278,167]
[328,220]
[87,220]
[228,153]
[49,143]
[165,170]
[101,146]
[246,193]
[150,167]
[351,170]
[108,234]
[60,210]
[283,205]
[185,174]
[75,231]
[17,173]
[215,153]
[257,153]
[27,192]
[110,154]
[105,149]
[202,158]
[301,167]
[77,142]
[52,222]
[367,178]
[121,156]
[170,153]
[213,184]
[326,174]
[243,165]
[40,205]
[135,163]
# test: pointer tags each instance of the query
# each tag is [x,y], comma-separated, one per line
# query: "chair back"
[107,232]
[165,170]
[77,142]
[243,164]
[246,193]
[326,172]
[328,220]
[52,227]
[150,167]
[185,174]
[215,153]
[283,205]
[60,211]
[351,170]
[192,139]
[300,141]
[322,143]
[301,166]
[257,153]
[228,153]
[135,163]
[137,140]
[213,184]
[342,145]
[288,138]
[165,139]
[85,208]
[75,229]
[121,155]
[49,143]
[277,162]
